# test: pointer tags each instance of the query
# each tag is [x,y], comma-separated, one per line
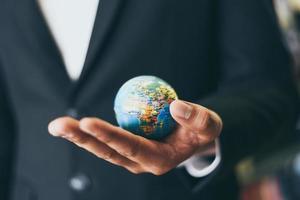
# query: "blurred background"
[288,12]
[275,175]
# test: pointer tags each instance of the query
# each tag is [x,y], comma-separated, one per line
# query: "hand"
[198,127]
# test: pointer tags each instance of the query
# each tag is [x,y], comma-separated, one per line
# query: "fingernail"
[181,109]
[56,129]
[53,129]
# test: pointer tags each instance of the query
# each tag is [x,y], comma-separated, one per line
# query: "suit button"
[80,183]
[72,112]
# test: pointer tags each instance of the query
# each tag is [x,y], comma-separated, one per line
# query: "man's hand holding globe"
[196,131]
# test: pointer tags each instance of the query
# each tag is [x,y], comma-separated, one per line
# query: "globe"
[142,107]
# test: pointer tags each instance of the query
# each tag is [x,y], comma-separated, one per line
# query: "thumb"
[196,118]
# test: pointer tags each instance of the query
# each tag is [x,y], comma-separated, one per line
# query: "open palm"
[197,129]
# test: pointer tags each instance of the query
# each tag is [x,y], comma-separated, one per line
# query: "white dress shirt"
[71,23]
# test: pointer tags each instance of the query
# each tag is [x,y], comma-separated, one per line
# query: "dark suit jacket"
[226,55]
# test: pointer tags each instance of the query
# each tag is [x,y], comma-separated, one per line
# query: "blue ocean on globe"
[142,107]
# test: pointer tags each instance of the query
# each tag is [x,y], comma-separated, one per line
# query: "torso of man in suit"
[213,53]
[71,25]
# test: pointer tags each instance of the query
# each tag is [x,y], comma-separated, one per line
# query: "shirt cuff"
[198,167]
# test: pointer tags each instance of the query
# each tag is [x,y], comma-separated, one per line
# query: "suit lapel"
[107,15]
[40,41]
[36,32]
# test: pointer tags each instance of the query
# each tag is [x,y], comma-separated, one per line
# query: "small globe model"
[142,107]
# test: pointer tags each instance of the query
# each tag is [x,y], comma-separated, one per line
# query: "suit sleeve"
[6,140]
[256,98]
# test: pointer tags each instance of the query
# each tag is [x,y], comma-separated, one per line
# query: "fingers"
[134,147]
[130,151]
[68,128]
[114,144]
[198,119]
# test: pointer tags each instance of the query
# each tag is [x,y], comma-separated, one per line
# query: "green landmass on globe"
[142,107]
